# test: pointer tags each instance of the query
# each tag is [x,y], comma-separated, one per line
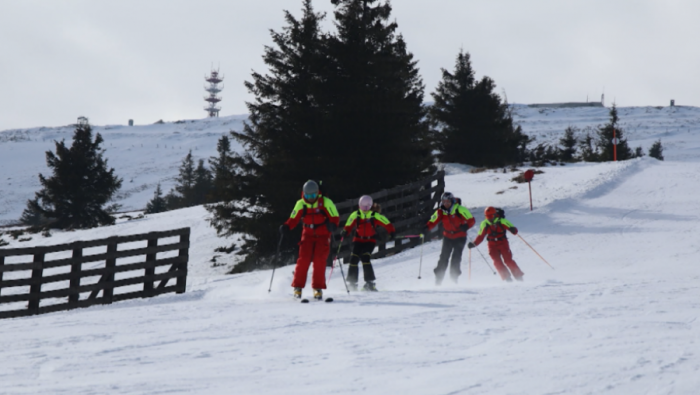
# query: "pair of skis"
[327,300]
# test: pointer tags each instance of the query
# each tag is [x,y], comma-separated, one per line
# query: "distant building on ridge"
[571,104]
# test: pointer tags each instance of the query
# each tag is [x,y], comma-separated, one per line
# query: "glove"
[343,233]
[514,230]
[284,228]
[425,230]
[471,245]
[392,236]
[463,227]
[331,226]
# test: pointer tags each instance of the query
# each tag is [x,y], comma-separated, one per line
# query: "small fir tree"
[76,194]
[185,182]
[604,142]
[569,143]
[202,184]
[224,172]
[657,150]
[588,153]
[157,204]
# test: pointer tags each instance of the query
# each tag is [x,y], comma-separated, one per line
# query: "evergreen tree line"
[198,185]
[592,146]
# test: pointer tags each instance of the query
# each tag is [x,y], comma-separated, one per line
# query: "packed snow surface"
[617,313]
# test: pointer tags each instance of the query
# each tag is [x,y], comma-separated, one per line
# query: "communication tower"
[214,79]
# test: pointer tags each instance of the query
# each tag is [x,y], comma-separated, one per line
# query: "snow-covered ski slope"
[618,315]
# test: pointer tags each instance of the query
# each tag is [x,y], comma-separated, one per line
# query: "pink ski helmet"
[365,203]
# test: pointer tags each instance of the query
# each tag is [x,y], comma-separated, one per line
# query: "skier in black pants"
[366,220]
[455,219]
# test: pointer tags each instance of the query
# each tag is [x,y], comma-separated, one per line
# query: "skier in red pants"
[493,228]
[319,218]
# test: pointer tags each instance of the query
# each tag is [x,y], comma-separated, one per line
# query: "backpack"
[500,213]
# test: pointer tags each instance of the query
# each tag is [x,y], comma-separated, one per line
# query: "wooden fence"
[408,207]
[86,273]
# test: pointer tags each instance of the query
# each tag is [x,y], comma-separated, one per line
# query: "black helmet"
[311,189]
[448,196]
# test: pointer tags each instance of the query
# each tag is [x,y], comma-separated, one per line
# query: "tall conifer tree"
[345,109]
[473,125]
[374,100]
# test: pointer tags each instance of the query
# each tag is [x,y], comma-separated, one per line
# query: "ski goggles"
[310,196]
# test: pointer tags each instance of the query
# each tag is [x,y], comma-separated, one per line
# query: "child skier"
[493,228]
[456,220]
[319,218]
[366,221]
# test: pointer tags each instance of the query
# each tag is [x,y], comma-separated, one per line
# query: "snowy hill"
[146,155]
[618,315]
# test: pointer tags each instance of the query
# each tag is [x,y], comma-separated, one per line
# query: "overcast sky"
[146,59]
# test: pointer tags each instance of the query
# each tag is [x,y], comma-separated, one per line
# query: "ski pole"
[342,272]
[470,265]
[420,265]
[409,237]
[334,259]
[485,261]
[545,261]
[274,262]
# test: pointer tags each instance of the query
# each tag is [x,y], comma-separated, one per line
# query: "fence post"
[181,283]
[2,263]
[75,268]
[35,288]
[150,268]
[110,265]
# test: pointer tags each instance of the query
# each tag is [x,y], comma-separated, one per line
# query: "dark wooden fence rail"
[408,207]
[102,291]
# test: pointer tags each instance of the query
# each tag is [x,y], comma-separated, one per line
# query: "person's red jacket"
[315,216]
[452,220]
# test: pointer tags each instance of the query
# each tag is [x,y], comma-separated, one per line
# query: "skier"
[493,228]
[366,221]
[319,218]
[456,220]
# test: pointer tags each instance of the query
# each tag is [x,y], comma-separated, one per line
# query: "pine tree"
[186,179]
[32,217]
[472,124]
[588,153]
[281,137]
[202,184]
[76,194]
[657,150]
[569,143]
[374,99]
[332,108]
[157,204]
[604,144]
[224,172]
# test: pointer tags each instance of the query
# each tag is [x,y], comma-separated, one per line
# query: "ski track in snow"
[618,315]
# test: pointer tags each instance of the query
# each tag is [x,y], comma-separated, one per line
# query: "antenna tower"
[213,79]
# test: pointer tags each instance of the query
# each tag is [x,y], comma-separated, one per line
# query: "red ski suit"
[451,220]
[495,233]
[315,241]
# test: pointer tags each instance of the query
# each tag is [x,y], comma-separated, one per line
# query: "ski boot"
[297,293]
[369,286]
[318,294]
[352,286]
